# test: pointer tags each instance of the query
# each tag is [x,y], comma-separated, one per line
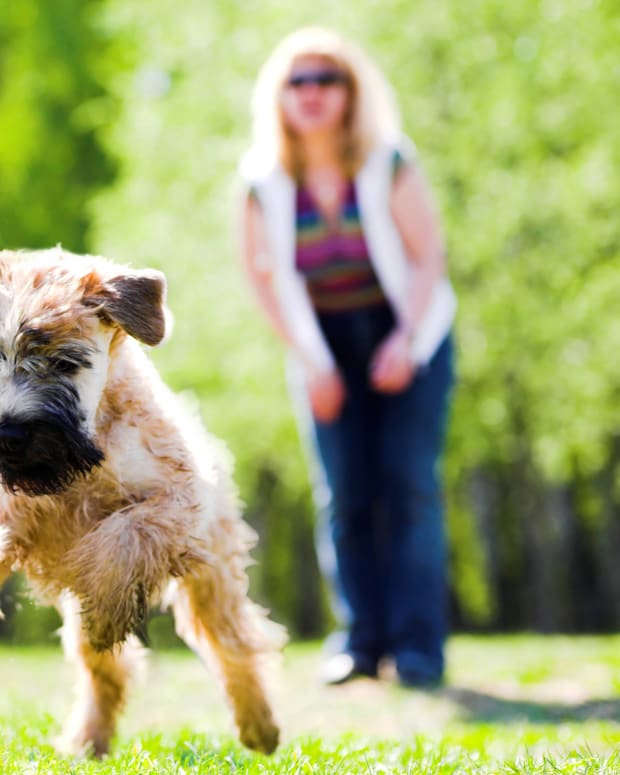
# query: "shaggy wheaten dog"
[111,501]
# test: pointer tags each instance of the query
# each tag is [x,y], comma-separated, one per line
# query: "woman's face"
[315,96]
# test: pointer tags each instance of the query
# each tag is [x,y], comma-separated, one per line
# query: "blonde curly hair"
[372,115]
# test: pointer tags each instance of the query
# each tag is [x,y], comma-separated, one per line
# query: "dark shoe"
[414,679]
[344,667]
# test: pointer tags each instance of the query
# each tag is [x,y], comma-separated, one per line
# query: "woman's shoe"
[413,679]
[343,667]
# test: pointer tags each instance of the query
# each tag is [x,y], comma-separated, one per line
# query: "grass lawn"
[512,704]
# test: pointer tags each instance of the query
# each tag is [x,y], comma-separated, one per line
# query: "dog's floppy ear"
[134,300]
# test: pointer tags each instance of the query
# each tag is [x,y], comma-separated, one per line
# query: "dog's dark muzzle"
[43,456]
[31,442]
[14,440]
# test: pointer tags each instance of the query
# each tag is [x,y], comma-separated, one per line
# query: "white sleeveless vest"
[276,194]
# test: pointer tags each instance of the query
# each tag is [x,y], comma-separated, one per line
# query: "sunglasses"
[321,78]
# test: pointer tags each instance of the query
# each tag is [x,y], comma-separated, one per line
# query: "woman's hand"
[391,367]
[327,394]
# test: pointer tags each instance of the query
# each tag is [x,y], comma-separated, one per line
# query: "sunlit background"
[121,125]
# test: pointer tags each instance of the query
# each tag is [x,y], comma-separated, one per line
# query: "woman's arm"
[417,220]
[325,388]
[258,264]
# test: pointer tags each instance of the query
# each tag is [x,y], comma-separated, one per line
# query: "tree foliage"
[514,111]
[52,101]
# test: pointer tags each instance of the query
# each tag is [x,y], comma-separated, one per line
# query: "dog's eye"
[64,366]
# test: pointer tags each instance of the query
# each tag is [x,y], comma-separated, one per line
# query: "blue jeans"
[381,514]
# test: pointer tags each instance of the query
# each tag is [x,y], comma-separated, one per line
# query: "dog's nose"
[13,436]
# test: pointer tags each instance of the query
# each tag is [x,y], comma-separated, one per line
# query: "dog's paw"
[80,745]
[260,735]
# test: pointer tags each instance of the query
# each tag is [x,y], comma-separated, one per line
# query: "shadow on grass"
[482,707]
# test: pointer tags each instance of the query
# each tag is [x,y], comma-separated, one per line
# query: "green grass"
[522,704]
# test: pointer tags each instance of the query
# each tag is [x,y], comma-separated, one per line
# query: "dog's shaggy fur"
[111,501]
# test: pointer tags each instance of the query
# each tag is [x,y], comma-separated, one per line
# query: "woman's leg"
[344,491]
[343,469]
[411,429]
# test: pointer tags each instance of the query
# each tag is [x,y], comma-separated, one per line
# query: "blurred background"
[121,125]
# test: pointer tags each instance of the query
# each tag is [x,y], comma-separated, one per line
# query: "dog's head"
[60,317]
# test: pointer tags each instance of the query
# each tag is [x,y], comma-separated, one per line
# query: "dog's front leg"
[117,567]
[5,571]
[101,688]
[6,557]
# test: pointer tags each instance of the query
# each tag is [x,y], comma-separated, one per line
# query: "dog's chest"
[130,461]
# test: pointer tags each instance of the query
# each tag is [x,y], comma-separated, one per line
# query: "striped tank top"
[334,259]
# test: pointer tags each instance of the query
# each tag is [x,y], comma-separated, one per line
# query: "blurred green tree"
[514,108]
[52,102]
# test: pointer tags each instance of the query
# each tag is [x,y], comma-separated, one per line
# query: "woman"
[344,250]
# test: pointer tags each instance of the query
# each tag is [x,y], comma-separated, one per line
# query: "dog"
[112,499]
